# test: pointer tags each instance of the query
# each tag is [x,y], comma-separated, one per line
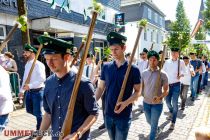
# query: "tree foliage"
[179,28]
[206,14]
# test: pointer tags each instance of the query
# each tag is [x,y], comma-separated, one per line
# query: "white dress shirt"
[89,71]
[142,65]
[171,68]
[38,76]
[203,68]
[6,103]
[186,80]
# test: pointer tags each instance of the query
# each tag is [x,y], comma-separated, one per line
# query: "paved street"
[195,114]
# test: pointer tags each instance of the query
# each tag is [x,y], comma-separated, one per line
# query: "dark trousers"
[34,103]
[172,100]
[199,83]
[183,94]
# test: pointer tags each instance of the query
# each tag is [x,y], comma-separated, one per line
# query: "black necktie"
[87,71]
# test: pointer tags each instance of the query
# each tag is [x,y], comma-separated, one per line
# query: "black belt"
[35,90]
[174,84]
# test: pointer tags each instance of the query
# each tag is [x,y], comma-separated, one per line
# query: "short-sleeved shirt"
[196,65]
[150,88]
[57,95]
[113,77]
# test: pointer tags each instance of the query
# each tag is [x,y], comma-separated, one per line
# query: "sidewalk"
[196,114]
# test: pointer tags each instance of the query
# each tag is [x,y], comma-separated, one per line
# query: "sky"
[168,7]
[192,7]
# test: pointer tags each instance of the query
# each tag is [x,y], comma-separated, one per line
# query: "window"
[157,38]
[2,32]
[145,35]
[149,14]
[161,21]
[152,36]
[156,18]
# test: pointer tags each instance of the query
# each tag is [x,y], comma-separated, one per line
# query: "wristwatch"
[79,134]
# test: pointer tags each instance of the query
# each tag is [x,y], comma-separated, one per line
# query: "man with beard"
[33,90]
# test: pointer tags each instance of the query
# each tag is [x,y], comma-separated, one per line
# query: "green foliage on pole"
[180,27]
[22,20]
[142,23]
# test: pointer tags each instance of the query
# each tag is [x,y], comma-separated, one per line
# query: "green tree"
[179,28]
[206,14]
[200,35]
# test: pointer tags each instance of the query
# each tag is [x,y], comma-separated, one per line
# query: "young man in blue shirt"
[118,121]
[197,65]
[58,90]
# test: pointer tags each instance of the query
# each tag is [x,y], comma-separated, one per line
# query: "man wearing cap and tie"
[118,121]
[33,90]
[88,67]
[58,91]
[143,64]
[152,86]
[171,68]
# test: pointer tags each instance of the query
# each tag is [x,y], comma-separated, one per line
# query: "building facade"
[136,10]
[70,26]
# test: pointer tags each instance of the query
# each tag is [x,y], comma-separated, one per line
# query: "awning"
[50,24]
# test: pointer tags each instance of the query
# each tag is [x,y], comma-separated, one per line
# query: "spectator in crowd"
[1,58]
[6,103]
[9,63]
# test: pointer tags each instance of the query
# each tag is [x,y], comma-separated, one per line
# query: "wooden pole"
[22,11]
[158,81]
[180,37]
[9,36]
[67,125]
[129,68]
[77,55]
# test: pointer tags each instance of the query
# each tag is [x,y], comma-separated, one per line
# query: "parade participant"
[6,103]
[194,80]
[171,68]
[88,67]
[118,122]
[33,90]
[143,64]
[185,81]
[205,80]
[58,90]
[153,106]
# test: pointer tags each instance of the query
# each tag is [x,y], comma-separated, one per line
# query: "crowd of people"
[148,77]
